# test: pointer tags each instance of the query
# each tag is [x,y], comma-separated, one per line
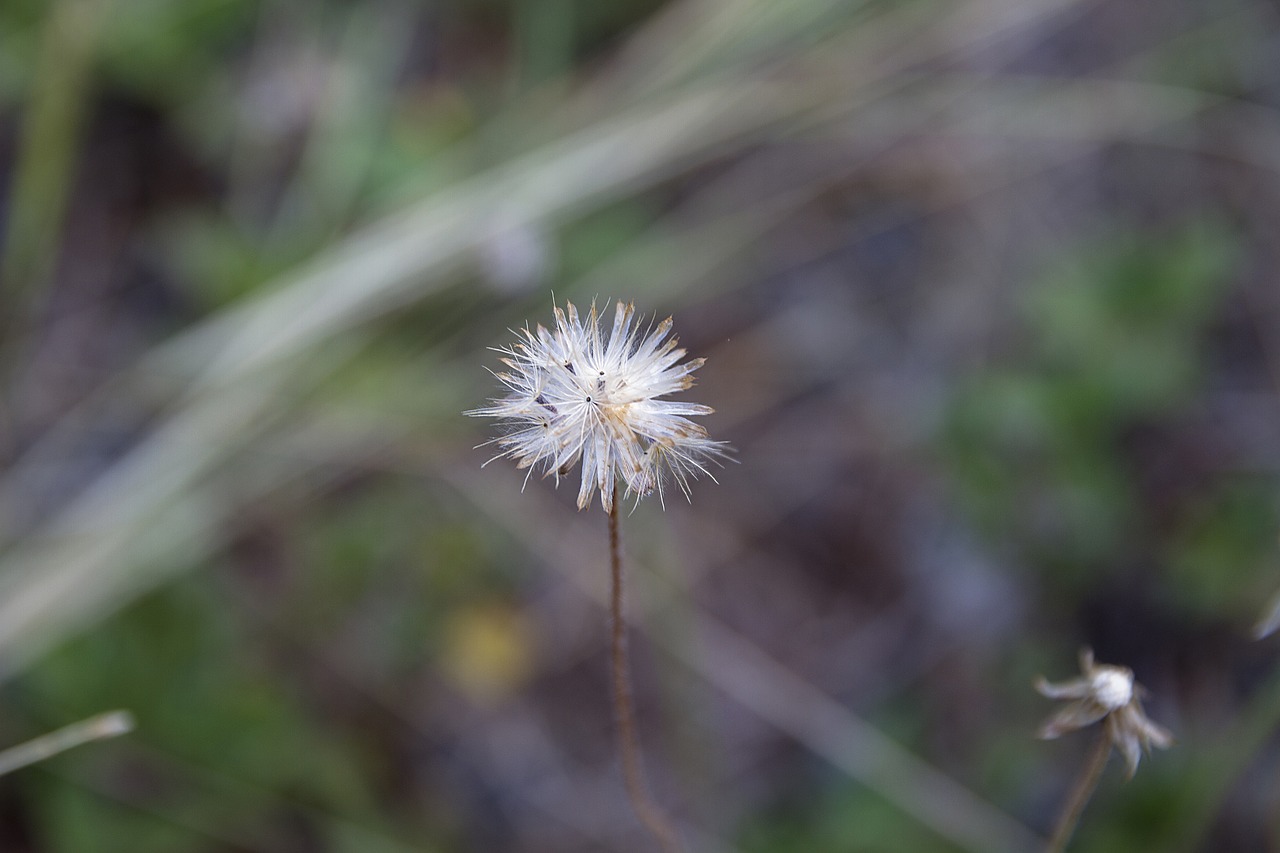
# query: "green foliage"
[157,50]
[165,51]
[221,262]
[1133,814]
[840,819]
[73,818]
[232,743]
[1127,318]
[1224,560]
[588,242]
[1114,339]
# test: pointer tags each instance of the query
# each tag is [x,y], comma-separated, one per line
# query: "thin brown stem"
[646,809]
[1080,794]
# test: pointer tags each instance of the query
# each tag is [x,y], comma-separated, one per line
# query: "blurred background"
[987,292]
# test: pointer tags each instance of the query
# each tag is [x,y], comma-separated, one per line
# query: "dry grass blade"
[108,725]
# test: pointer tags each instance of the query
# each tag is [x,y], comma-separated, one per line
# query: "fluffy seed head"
[1111,686]
[1108,694]
[575,393]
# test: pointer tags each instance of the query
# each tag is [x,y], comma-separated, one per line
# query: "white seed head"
[1105,694]
[1111,686]
[575,394]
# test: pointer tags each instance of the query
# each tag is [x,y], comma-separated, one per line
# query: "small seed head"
[1106,694]
[1112,686]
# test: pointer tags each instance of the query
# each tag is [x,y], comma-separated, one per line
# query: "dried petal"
[1127,742]
[1075,716]
[1076,688]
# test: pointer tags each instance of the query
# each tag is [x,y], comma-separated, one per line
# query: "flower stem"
[623,704]
[1080,794]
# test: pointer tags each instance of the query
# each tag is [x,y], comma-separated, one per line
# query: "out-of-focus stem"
[1083,789]
[50,132]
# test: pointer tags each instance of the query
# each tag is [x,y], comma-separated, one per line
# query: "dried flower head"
[1106,693]
[573,395]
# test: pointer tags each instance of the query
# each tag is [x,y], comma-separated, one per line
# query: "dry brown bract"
[1109,694]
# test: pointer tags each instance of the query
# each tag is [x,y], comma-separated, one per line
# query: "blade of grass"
[108,725]
[50,134]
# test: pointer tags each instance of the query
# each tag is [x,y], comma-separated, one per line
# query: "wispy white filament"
[575,395]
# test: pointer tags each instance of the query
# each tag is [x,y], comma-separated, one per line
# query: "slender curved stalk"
[1080,794]
[650,814]
[111,724]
